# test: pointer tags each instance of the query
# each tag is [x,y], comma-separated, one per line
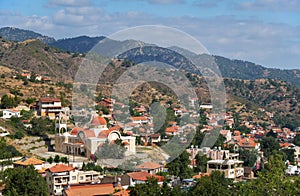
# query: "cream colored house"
[86,141]
[49,107]
[60,176]
[231,168]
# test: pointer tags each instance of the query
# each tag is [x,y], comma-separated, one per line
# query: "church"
[87,141]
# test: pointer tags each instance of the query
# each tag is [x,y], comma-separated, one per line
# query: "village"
[129,152]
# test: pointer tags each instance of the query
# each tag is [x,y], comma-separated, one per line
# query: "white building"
[86,141]
[60,176]
[49,107]
[231,168]
[8,113]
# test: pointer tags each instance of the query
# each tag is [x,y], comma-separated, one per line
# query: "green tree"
[249,157]
[215,184]
[41,126]
[30,100]
[271,181]
[151,187]
[297,140]
[201,161]
[269,145]
[288,154]
[180,166]
[9,102]
[24,181]
[50,160]
[57,159]
[18,135]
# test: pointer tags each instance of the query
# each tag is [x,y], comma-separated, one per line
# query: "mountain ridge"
[229,68]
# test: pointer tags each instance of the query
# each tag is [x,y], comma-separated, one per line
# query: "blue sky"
[266,32]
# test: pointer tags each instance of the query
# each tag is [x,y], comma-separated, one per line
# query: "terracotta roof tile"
[104,134]
[248,143]
[88,190]
[60,168]
[89,133]
[143,176]
[172,129]
[136,118]
[98,120]
[149,165]
[29,161]
[48,99]
[75,130]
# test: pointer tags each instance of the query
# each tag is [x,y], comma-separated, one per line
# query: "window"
[224,166]
[73,177]
[81,178]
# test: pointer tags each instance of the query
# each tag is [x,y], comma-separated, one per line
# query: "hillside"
[229,68]
[16,34]
[249,71]
[37,57]
[80,44]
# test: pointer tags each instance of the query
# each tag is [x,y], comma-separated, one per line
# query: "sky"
[266,32]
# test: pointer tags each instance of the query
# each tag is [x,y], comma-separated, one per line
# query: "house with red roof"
[29,161]
[49,107]
[142,177]
[248,144]
[61,176]
[140,120]
[150,167]
[173,130]
[107,103]
[87,141]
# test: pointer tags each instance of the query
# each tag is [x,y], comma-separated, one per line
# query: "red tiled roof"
[247,142]
[60,168]
[115,128]
[171,129]
[143,176]
[104,134]
[88,190]
[29,161]
[89,133]
[75,130]
[172,123]
[149,165]
[98,120]
[136,118]
[237,133]
[286,144]
[48,99]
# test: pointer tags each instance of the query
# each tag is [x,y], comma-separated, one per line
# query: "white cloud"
[166,1]
[207,3]
[273,5]
[68,3]
[270,44]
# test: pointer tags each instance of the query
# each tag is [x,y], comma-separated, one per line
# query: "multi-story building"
[231,168]
[49,107]
[297,155]
[60,176]
[86,141]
